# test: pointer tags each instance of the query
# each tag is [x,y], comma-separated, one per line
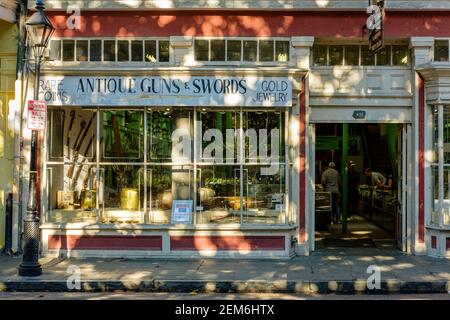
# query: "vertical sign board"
[376,27]
[36,115]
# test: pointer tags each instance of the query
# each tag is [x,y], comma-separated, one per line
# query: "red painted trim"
[82,242]
[302,197]
[421,188]
[219,23]
[227,243]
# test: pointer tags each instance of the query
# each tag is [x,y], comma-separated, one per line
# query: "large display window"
[440,168]
[135,166]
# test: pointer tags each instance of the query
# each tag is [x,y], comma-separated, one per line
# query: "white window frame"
[116,39]
[442,166]
[448,43]
[360,59]
[99,164]
[242,62]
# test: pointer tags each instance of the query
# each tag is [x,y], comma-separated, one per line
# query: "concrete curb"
[239,286]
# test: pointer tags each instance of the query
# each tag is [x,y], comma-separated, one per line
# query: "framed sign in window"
[182,211]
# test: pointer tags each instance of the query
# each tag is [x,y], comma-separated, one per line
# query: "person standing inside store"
[378,180]
[353,187]
[331,181]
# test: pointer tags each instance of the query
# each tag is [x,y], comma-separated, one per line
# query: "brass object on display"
[165,198]
[65,199]
[206,196]
[88,199]
[129,198]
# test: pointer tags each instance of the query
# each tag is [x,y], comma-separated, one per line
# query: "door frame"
[405,187]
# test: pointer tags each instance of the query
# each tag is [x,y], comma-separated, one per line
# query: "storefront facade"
[182,134]
[8,59]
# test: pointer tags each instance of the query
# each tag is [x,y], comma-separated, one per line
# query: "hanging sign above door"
[375,24]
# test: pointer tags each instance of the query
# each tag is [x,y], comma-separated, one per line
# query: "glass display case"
[323,207]
[380,206]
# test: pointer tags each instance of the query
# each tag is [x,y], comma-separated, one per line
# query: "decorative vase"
[206,196]
[165,198]
[88,199]
[129,199]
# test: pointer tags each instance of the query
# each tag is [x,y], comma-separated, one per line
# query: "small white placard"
[279,207]
[37,115]
[182,211]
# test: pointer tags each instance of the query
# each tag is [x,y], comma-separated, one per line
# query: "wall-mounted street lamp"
[39,31]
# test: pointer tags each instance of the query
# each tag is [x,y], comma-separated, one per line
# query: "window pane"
[384,56]
[164,51]
[136,50]
[320,55]
[366,60]
[336,55]
[66,205]
[446,135]
[218,194]
[55,50]
[234,50]
[441,50]
[400,55]
[123,52]
[165,184]
[266,50]
[351,55]
[121,193]
[217,50]
[282,51]
[161,124]
[55,136]
[82,50]
[68,50]
[123,135]
[109,50]
[201,50]
[264,139]
[219,129]
[150,51]
[95,50]
[250,50]
[264,195]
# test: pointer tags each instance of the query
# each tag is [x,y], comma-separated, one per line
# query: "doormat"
[350,243]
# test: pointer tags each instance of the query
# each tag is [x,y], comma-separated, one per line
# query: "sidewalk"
[341,271]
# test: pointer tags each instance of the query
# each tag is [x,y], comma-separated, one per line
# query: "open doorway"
[368,158]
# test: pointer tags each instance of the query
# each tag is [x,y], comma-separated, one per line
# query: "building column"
[182,51]
[421,50]
[302,176]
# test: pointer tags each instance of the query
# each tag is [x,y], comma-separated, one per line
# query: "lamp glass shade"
[39,29]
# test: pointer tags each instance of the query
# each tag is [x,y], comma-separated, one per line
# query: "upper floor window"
[441,52]
[241,50]
[139,50]
[358,55]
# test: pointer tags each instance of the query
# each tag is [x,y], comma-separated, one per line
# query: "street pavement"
[331,271]
[44,296]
